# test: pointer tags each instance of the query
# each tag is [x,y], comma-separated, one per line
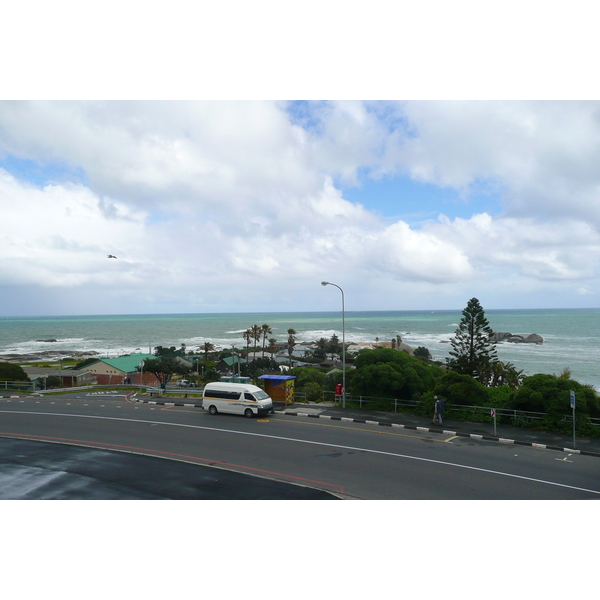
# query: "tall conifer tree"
[471,345]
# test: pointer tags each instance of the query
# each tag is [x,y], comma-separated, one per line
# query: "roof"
[127,364]
[278,377]
[230,360]
[52,371]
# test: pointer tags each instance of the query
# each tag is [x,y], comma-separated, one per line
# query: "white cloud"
[543,155]
[234,204]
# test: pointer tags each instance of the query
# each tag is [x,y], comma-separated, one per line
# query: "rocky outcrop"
[499,336]
[504,336]
[46,340]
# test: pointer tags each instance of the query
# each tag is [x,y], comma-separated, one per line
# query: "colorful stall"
[280,387]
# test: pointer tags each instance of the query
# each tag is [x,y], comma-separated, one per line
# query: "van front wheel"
[212,409]
[248,413]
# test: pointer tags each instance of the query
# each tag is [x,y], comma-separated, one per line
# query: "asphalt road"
[346,460]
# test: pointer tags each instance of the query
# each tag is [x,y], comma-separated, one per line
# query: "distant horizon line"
[283,312]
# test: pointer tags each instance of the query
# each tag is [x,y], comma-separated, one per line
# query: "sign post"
[493,413]
[572,401]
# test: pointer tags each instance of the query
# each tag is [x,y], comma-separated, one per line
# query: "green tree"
[386,373]
[457,388]
[272,345]
[256,332]
[497,373]
[551,394]
[206,348]
[164,368]
[471,345]
[165,352]
[291,342]
[248,337]
[306,375]
[421,352]
[334,346]
[83,363]
[12,372]
[53,381]
[266,331]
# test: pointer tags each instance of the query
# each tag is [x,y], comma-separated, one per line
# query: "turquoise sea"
[571,336]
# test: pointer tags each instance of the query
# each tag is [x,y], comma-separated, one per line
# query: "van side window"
[249,396]
[224,395]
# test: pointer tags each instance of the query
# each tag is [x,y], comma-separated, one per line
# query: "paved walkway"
[504,433]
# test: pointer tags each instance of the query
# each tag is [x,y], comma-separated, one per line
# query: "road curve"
[342,459]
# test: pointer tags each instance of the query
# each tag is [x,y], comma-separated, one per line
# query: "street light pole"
[343,342]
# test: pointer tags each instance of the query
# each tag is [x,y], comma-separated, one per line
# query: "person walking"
[436,406]
[440,410]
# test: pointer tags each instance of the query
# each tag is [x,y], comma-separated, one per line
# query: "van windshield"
[262,395]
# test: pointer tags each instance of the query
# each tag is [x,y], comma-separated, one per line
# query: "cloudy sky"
[241,206]
[149,134]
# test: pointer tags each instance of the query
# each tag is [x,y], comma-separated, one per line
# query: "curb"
[475,436]
[487,438]
[163,402]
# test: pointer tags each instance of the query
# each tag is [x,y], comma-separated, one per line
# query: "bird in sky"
[111,256]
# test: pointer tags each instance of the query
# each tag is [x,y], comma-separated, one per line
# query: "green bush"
[313,391]
[551,394]
[386,373]
[499,397]
[12,372]
[456,388]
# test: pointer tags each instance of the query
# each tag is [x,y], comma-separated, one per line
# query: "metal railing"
[458,411]
[26,386]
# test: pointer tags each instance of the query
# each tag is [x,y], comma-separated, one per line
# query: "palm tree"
[266,330]
[291,343]
[272,345]
[206,348]
[247,336]
[256,333]
[322,343]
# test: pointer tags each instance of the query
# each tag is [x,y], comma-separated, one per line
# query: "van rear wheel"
[248,413]
[212,409]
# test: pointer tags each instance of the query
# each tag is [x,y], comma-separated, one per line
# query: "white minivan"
[237,398]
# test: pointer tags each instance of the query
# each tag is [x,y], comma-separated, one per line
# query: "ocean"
[571,336]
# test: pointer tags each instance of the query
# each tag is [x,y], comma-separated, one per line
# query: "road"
[348,460]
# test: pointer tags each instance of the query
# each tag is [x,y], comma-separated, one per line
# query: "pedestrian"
[436,414]
[440,410]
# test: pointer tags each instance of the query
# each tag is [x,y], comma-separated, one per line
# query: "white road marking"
[287,439]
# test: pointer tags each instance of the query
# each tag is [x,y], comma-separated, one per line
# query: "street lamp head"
[324,282]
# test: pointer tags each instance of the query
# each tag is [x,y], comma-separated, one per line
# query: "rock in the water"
[533,338]
[504,336]
[499,336]
[46,340]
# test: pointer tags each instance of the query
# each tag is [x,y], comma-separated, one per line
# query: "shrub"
[12,372]
[456,388]
[499,397]
[390,374]
[313,391]
[550,394]
[422,352]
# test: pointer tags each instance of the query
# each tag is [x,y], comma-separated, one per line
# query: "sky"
[222,203]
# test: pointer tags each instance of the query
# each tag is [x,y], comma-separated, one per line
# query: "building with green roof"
[108,371]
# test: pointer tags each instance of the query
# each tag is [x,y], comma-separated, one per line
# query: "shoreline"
[52,355]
